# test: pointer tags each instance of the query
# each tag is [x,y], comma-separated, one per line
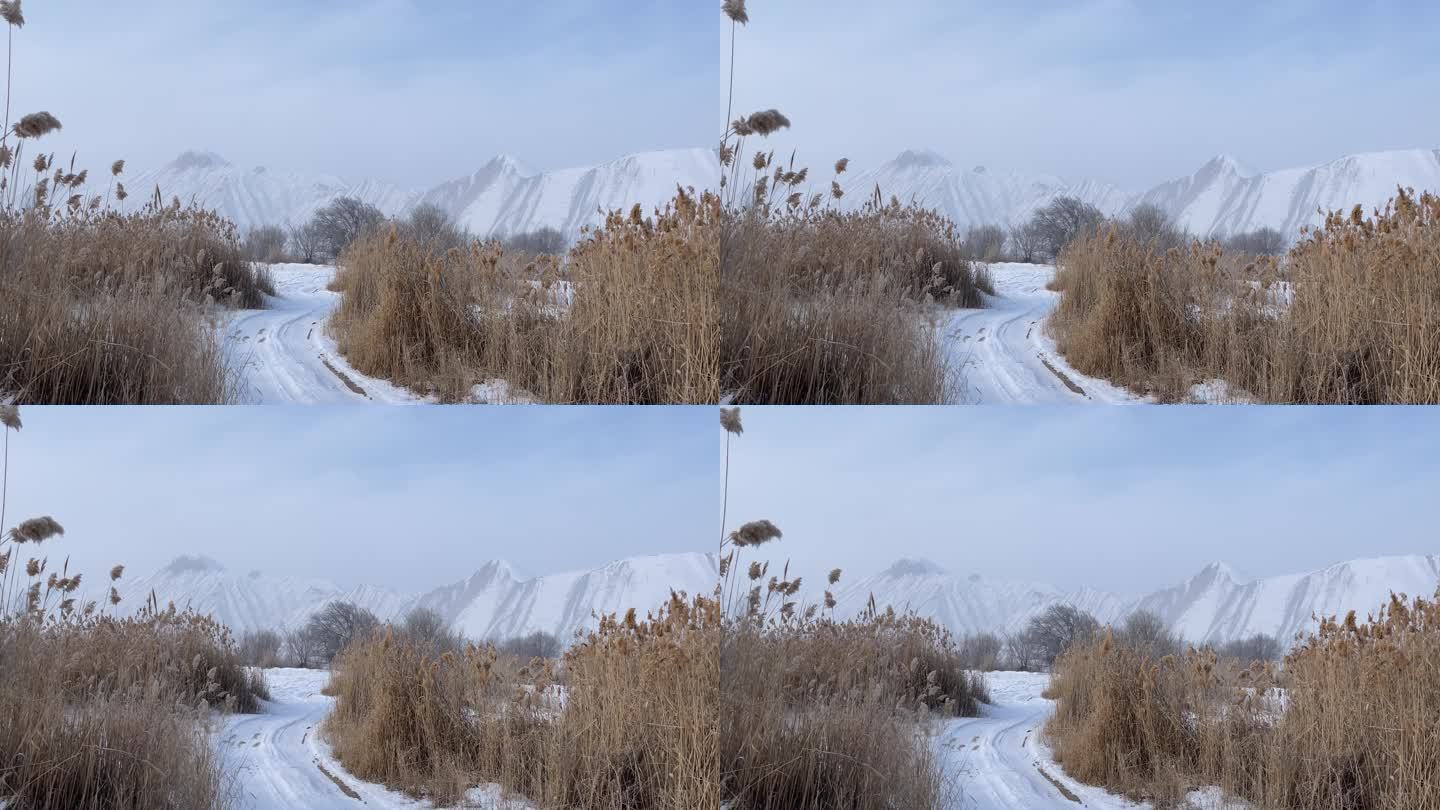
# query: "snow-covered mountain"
[975,196]
[1221,198]
[492,603]
[497,603]
[502,198]
[255,196]
[969,604]
[1215,605]
[1225,198]
[248,601]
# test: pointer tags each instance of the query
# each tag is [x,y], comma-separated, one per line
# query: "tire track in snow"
[1001,354]
[283,353]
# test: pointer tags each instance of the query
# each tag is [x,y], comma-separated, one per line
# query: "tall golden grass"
[625,720]
[823,306]
[1348,721]
[1349,316]
[102,307]
[628,316]
[819,712]
[99,711]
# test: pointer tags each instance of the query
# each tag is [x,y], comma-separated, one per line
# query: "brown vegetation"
[99,711]
[1350,315]
[819,712]
[628,316]
[1348,721]
[821,306]
[102,307]
[625,720]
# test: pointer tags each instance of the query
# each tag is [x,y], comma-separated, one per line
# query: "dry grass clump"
[628,316]
[108,308]
[822,306]
[105,308]
[1348,721]
[99,711]
[1348,316]
[625,720]
[819,712]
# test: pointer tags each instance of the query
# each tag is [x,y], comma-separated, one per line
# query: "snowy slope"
[1225,198]
[255,196]
[248,601]
[966,604]
[972,196]
[1215,605]
[1220,198]
[493,603]
[504,197]
[496,602]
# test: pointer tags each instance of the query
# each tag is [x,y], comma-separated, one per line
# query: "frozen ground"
[997,761]
[276,759]
[284,355]
[1001,354]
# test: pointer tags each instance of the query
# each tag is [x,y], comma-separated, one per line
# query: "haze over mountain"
[1220,198]
[495,602]
[502,197]
[1214,605]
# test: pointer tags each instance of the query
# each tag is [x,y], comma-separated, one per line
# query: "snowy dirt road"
[1001,354]
[283,354]
[276,759]
[998,761]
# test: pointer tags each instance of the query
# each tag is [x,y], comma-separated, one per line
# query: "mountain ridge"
[1214,605]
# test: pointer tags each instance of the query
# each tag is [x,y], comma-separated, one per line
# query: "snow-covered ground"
[998,761]
[284,355]
[277,759]
[1001,354]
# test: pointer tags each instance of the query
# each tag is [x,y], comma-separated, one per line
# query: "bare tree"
[337,624]
[1259,647]
[1150,225]
[260,648]
[341,222]
[1063,221]
[427,627]
[980,652]
[1146,631]
[305,243]
[1058,627]
[542,241]
[265,243]
[1262,242]
[1022,652]
[984,243]
[1026,241]
[303,648]
[429,225]
[536,645]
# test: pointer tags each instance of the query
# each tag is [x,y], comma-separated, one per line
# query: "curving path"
[1001,354]
[283,354]
[276,759]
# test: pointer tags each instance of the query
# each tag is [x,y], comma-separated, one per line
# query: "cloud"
[408,498]
[413,93]
[1114,90]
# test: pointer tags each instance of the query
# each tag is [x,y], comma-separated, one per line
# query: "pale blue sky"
[1126,499]
[411,91]
[405,497]
[1132,92]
